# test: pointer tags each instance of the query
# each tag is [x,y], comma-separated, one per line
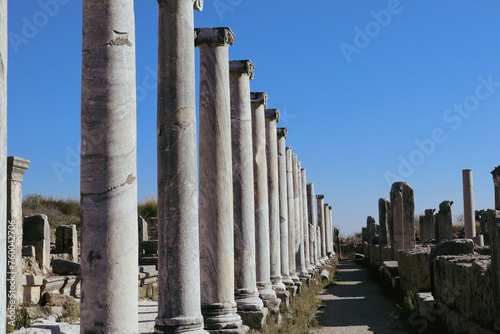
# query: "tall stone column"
[327,229]
[443,220]
[469,212]
[494,227]
[330,230]
[179,302]
[16,167]
[403,211]
[3,162]
[320,199]
[291,214]
[313,222]
[261,200]
[384,217]
[272,117]
[496,182]
[305,221]
[283,201]
[299,216]
[215,213]
[250,306]
[108,177]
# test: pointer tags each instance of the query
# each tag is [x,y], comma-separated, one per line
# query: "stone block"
[67,241]
[28,251]
[414,270]
[254,319]
[31,267]
[57,299]
[31,288]
[63,267]
[36,232]
[453,247]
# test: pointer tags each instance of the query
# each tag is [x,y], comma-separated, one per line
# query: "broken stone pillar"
[272,117]
[36,232]
[16,167]
[428,230]
[250,306]
[336,233]
[261,200]
[283,204]
[313,222]
[469,212]
[305,221]
[299,216]
[178,246]
[108,168]
[496,182]
[494,226]
[371,229]
[321,223]
[67,241]
[443,221]
[402,215]
[384,218]
[143,229]
[218,304]
[3,164]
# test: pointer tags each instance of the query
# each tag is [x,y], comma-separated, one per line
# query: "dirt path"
[356,305]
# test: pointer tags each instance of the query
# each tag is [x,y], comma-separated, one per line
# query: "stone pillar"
[329,230]
[291,214]
[305,220]
[178,245]
[272,117]
[142,229]
[261,200]
[16,167]
[443,221]
[67,241]
[321,224]
[469,212]
[299,230]
[496,182]
[218,304]
[250,306]
[313,222]
[428,229]
[336,233]
[283,201]
[36,233]
[3,163]
[384,217]
[318,248]
[494,227]
[403,211]
[108,169]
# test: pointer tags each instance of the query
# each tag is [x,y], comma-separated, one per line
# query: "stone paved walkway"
[356,305]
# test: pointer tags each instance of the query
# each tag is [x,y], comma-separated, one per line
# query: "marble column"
[3,161]
[283,203]
[318,241]
[402,216]
[250,306]
[330,231]
[272,117]
[443,221]
[218,304]
[313,222]
[494,227]
[469,212]
[299,223]
[321,223]
[16,167]
[291,214]
[384,217]
[179,302]
[496,182]
[305,221]
[261,200]
[327,229]
[108,169]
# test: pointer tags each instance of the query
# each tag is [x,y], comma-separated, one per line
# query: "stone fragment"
[402,217]
[469,212]
[443,221]
[384,218]
[63,267]
[36,232]
[67,241]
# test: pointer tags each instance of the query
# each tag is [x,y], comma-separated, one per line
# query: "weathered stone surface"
[494,226]
[402,216]
[384,217]
[305,221]
[28,251]
[313,223]
[462,283]
[142,229]
[469,212]
[31,267]
[443,221]
[56,299]
[414,270]
[496,182]
[250,306]
[453,247]
[36,232]
[178,307]
[3,160]
[299,216]
[428,229]
[67,241]
[63,267]
[320,199]
[291,213]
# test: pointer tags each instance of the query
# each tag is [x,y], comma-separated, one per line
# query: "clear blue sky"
[362,86]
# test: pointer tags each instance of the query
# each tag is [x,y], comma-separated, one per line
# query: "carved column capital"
[273,114]
[242,66]
[16,167]
[198,5]
[214,36]
[259,97]
[282,132]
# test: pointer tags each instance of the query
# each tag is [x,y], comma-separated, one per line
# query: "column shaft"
[305,220]
[299,230]
[108,179]
[321,223]
[469,213]
[178,244]
[3,163]
[246,294]
[291,211]
[313,221]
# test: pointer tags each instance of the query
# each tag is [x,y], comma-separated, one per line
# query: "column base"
[284,296]
[240,330]
[248,301]
[179,325]
[222,316]
[254,319]
[290,286]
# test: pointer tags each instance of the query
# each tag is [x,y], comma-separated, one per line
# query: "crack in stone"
[117,41]
[181,118]
[130,180]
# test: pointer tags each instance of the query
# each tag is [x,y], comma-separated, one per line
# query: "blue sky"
[370,91]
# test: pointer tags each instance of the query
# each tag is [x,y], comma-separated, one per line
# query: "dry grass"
[59,211]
